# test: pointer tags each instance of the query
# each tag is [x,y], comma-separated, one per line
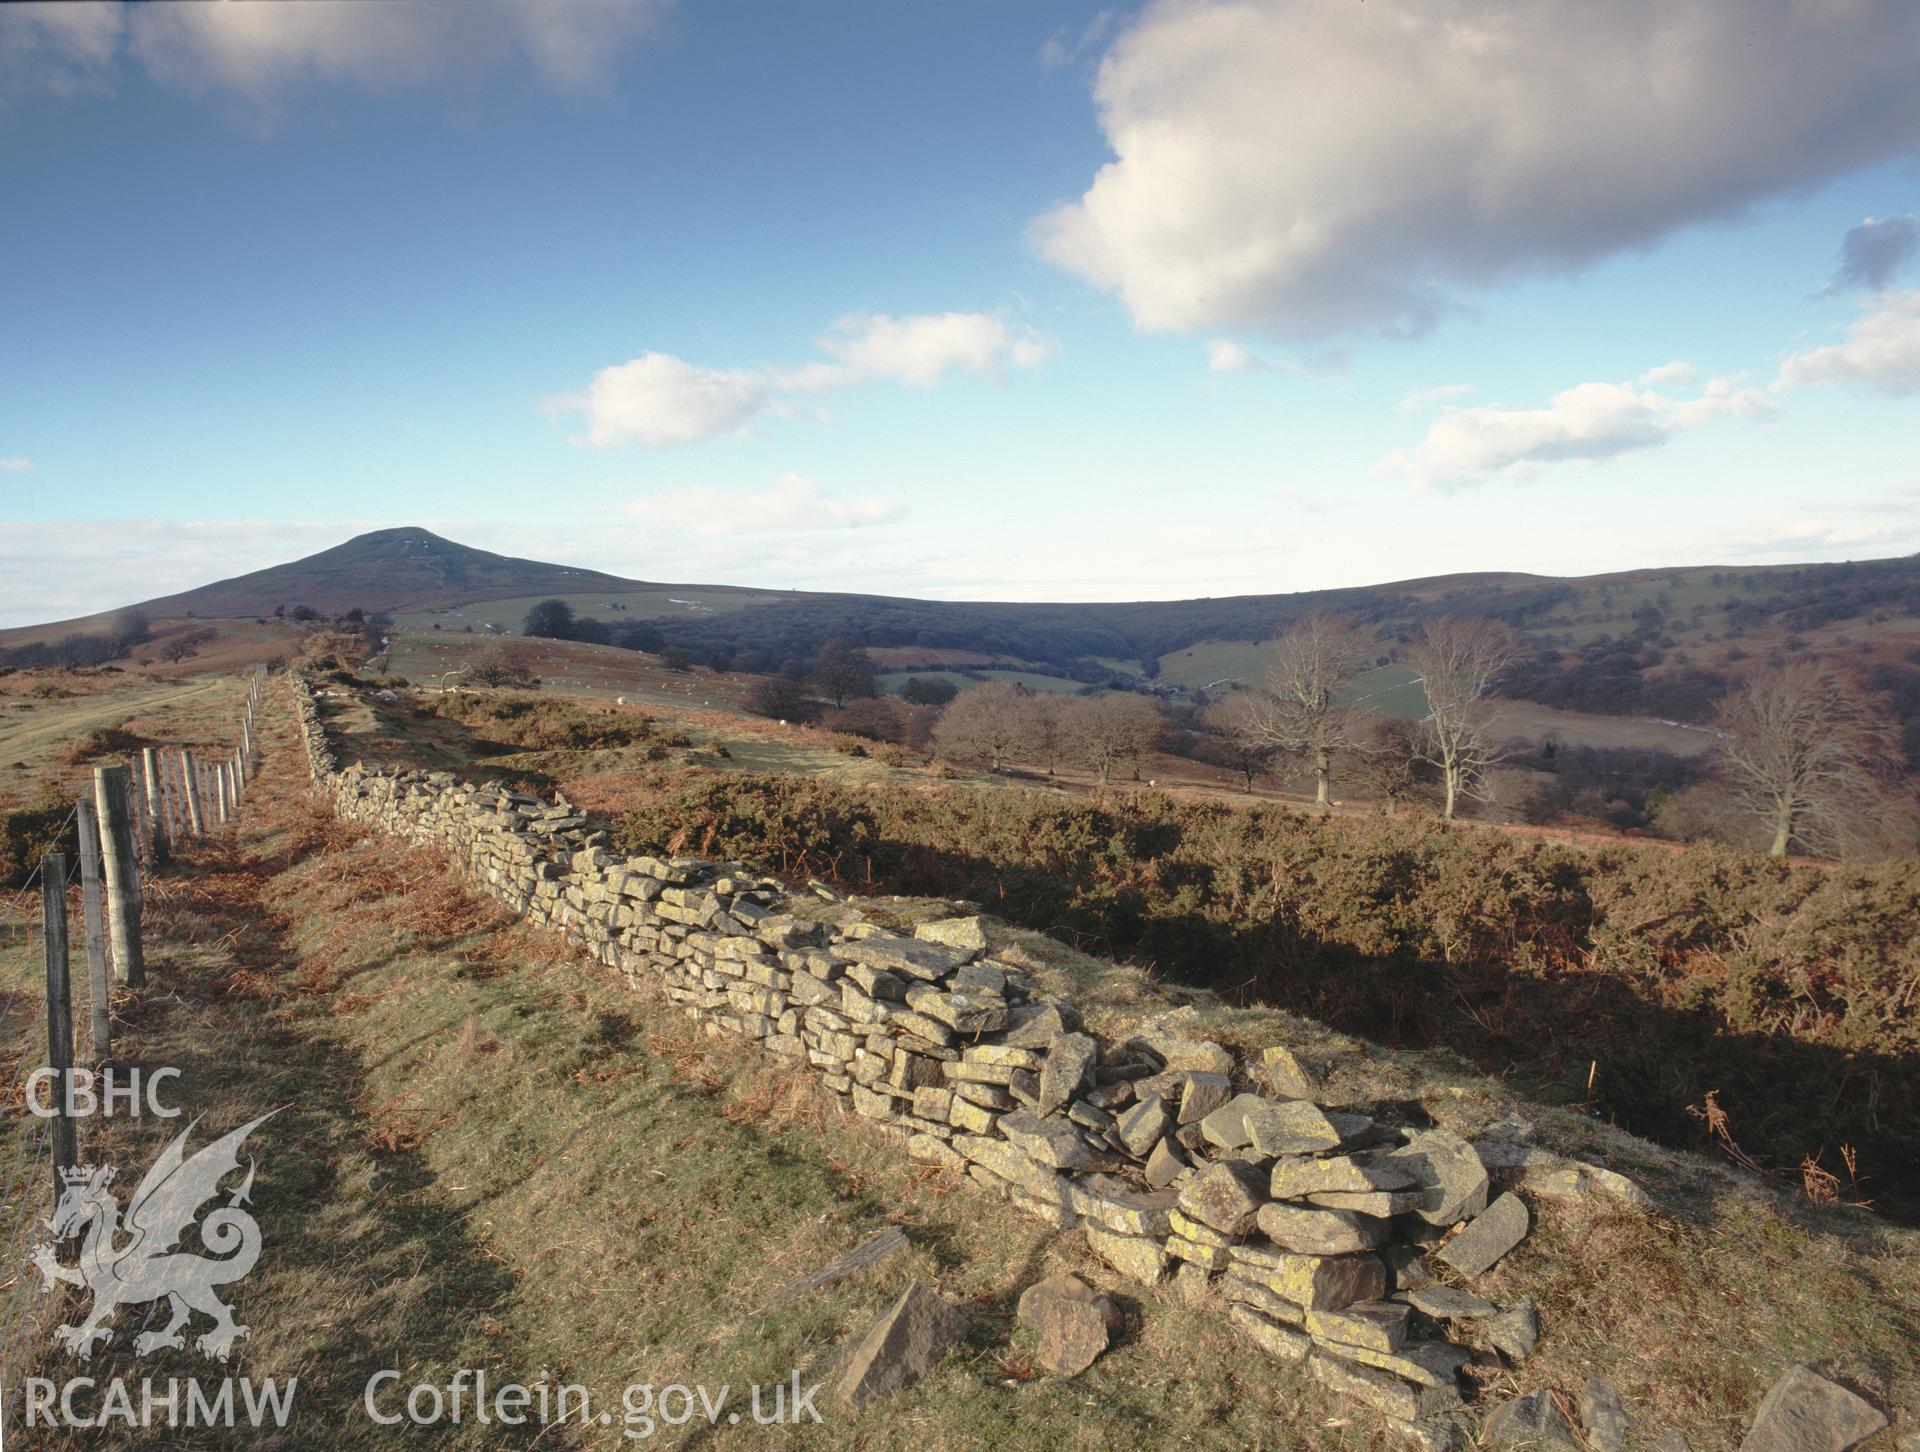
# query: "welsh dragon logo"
[127,1260]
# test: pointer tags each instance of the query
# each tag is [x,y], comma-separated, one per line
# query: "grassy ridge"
[1632,978]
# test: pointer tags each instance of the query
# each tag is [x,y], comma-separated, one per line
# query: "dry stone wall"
[1315,1222]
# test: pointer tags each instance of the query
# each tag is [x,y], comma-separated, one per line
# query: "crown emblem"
[87,1175]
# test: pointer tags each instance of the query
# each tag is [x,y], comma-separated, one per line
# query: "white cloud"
[1226,356]
[1676,372]
[1422,399]
[262,49]
[660,400]
[1874,252]
[263,52]
[16,466]
[1589,421]
[59,569]
[918,350]
[1894,530]
[63,48]
[1881,353]
[792,502]
[1321,169]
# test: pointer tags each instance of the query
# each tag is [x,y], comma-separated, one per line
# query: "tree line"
[1001,723]
[1807,755]
[83,648]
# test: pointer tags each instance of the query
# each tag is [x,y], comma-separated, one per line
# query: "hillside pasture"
[660,603]
[570,668]
[39,735]
[919,659]
[1532,722]
[1217,665]
[890,682]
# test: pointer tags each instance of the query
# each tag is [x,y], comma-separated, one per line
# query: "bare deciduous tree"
[1108,731]
[1043,721]
[501,665]
[1299,714]
[1388,766]
[1458,659]
[1234,742]
[1809,754]
[988,723]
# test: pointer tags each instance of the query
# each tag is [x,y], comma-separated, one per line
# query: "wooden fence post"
[176,799]
[156,804]
[93,915]
[123,893]
[163,791]
[196,821]
[142,819]
[53,917]
[218,771]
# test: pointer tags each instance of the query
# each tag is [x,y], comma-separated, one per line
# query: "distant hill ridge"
[1602,631]
[389,569]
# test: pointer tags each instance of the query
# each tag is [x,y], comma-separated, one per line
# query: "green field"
[1388,690]
[657,604]
[891,682]
[1208,661]
[1608,610]
[1391,691]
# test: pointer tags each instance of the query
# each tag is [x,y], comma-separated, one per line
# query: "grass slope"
[495,1156]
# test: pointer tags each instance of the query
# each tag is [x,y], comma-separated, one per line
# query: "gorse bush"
[541,723]
[1794,992]
[105,741]
[28,833]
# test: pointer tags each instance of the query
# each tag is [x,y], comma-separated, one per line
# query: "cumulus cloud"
[1881,353]
[262,52]
[660,400]
[1676,372]
[1589,421]
[16,466]
[1313,169]
[918,350]
[791,502]
[1873,253]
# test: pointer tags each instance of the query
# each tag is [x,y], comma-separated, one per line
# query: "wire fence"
[18,1275]
[145,809]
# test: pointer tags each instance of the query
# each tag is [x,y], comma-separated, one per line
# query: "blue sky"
[989,301]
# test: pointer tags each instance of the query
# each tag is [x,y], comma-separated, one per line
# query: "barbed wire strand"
[13,1318]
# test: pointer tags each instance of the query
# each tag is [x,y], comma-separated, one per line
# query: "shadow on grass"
[366,1264]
